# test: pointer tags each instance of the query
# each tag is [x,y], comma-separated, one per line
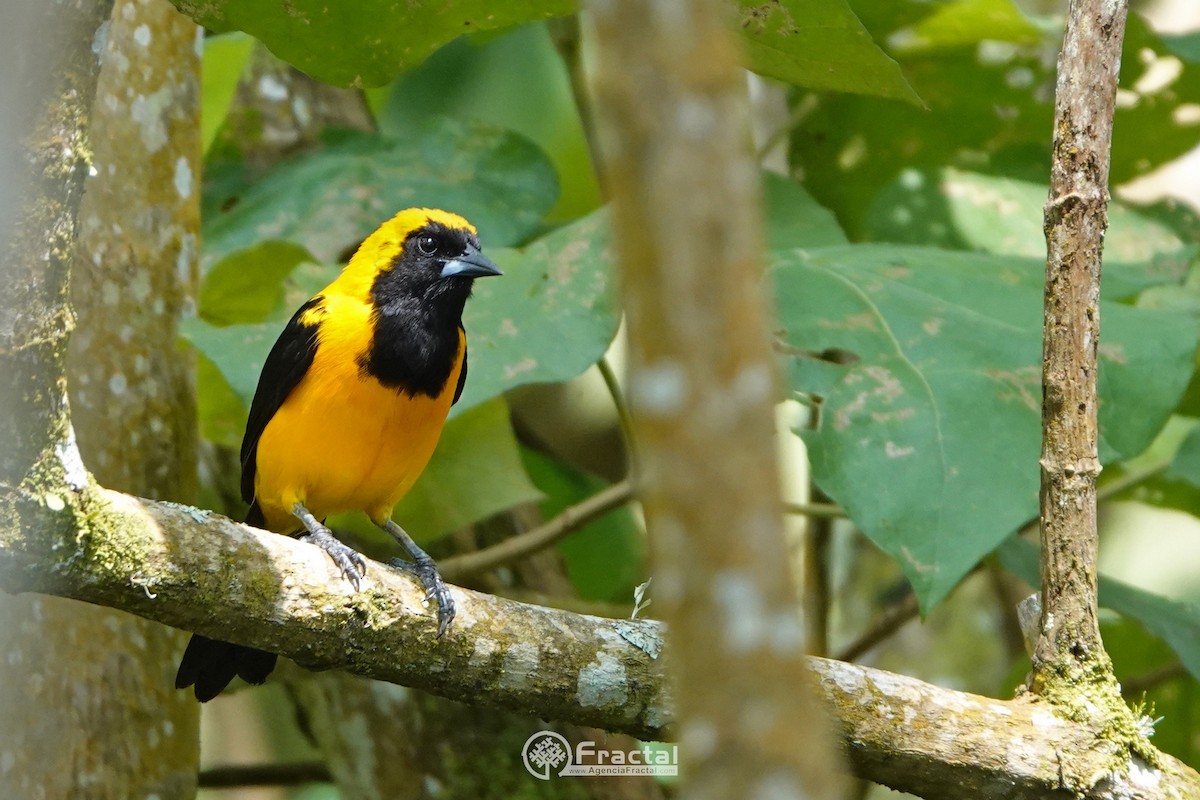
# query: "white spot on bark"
[141,35]
[301,111]
[149,110]
[752,384]
[74,471]
[777,785]
[271,88]
[1043,719]
[100,39]
[520,662]
[660,389]
[484,650]
[696,118]
[602,682]
[183,177]
[743,616]
[699,738]
[117,384]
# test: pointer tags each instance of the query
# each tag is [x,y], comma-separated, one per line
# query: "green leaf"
[224,58]
[516,81]
[330,200]
[930,439]
[550,317]
[247,285]
[605,559]
[818,44]
[794,218]
[964,23]
[990,109]
[237,351]
[1176,623]
[991,214]
[1186,464]
[222,413]
[475,472]
[366,44]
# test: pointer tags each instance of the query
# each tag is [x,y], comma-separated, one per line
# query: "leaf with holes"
[930,424]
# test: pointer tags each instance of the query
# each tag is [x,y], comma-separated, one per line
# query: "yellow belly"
[342,441]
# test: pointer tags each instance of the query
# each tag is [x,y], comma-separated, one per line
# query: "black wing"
[462,374]
[289,359]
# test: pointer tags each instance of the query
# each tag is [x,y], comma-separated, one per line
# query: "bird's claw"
[351,563]
[436,589]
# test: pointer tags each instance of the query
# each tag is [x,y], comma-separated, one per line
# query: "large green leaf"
[1176,623]
[331,199]
[368,42]
[794,218]
[990,110]
[956,209]
[818,44]
[517,81]
[247,285]
[550,317]
[930,435]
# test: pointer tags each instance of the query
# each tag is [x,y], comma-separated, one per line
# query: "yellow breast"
[342,441]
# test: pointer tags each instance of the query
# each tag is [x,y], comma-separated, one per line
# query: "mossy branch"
[197,570]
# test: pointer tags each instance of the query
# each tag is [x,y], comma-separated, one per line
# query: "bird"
[349,407]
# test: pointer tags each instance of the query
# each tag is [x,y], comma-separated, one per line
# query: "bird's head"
[421,254]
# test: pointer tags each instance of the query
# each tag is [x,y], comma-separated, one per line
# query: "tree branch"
[197,570]
[1069,646]
[568,520]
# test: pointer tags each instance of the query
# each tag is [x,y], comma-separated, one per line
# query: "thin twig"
[569,519]
[238,775]
[1075,221]
[890,621]
[622,408]
[829,510]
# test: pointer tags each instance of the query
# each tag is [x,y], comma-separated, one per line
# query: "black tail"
[210,665]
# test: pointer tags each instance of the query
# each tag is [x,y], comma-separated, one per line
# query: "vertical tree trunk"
[120,729]
[702,392]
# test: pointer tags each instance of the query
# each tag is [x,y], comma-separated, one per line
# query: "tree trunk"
[702,392]
[121,730]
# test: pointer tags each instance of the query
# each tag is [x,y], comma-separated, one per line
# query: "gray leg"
[423,567]
[349,560]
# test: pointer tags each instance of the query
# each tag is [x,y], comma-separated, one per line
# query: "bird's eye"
[428,245]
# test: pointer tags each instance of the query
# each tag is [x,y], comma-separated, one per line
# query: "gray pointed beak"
[471,264]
